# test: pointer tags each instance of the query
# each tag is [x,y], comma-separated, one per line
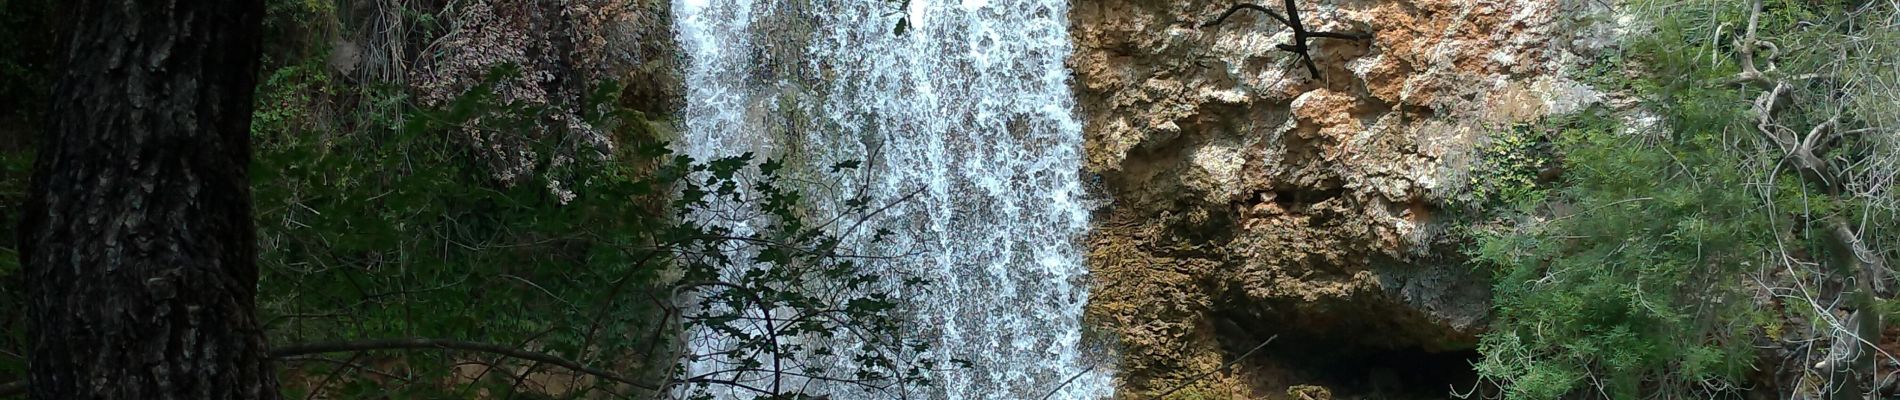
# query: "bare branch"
[1245,6]
[1765,121]
[351,364]
[1223,367]
[1750,73]
[1341,35]
[1299,46]
[444,344]
[1065,383]
[1821,133]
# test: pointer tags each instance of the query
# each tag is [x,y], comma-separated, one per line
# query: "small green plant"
[1508,168]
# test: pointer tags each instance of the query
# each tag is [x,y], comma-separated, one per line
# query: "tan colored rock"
[1250,195]
[1309,392]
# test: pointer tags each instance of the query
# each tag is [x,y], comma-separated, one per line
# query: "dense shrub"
[1682,254]
[1631,283]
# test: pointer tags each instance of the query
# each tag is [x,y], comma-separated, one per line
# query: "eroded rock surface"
[1249,199]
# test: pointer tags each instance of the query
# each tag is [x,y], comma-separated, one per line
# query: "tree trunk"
[138,242]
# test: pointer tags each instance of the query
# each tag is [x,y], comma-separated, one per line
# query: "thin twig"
[422,343]
[1229,364]
[1066,383]
[332,376]
[1299,46]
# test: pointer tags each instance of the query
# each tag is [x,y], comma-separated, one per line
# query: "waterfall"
[969,107]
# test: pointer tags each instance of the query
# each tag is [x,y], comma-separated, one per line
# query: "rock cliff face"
[1248,199]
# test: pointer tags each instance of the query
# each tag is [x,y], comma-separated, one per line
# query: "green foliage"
[292,14]
[1631,286]
[292,100]
[1507,169]
[377,219]
[786,297]
[394,229]
[389,230]
[295,30]
[1634,275]
[1632,278]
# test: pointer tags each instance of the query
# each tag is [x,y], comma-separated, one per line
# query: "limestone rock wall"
[1246,198]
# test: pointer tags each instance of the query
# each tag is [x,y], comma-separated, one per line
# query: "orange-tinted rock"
[1324,229]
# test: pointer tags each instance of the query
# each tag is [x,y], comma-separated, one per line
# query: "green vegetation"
[379,219]
[395,229]
[1680,260]
[1624,285]
[392,230]
[1743,231]
[1506,172]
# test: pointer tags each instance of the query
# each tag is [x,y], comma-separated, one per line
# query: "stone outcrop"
[1249,199]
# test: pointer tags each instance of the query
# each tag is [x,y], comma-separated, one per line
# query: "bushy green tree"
[1629,281]
[1749,222]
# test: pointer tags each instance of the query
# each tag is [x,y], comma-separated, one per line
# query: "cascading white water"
[970,105]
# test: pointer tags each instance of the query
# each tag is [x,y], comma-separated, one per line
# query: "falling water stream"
[967,105]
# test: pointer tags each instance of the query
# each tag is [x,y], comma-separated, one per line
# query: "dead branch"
[445,344]
[1746,49]
[1300,34]
[1223,367]
[1246,6]
[1065,383]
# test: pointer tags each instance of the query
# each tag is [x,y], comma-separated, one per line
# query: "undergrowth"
[1664,262]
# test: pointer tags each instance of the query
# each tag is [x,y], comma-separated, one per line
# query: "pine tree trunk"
[138,241]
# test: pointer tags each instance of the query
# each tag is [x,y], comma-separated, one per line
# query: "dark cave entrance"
[1400,373]
[1349,351]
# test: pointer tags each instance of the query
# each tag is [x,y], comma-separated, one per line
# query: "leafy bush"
[395,230]
[1632,284]
[1655,267]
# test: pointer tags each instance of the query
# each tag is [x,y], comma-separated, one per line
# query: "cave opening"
[1372,373]
[1350,352]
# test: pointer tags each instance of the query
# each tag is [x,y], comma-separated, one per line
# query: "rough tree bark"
[138,241]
